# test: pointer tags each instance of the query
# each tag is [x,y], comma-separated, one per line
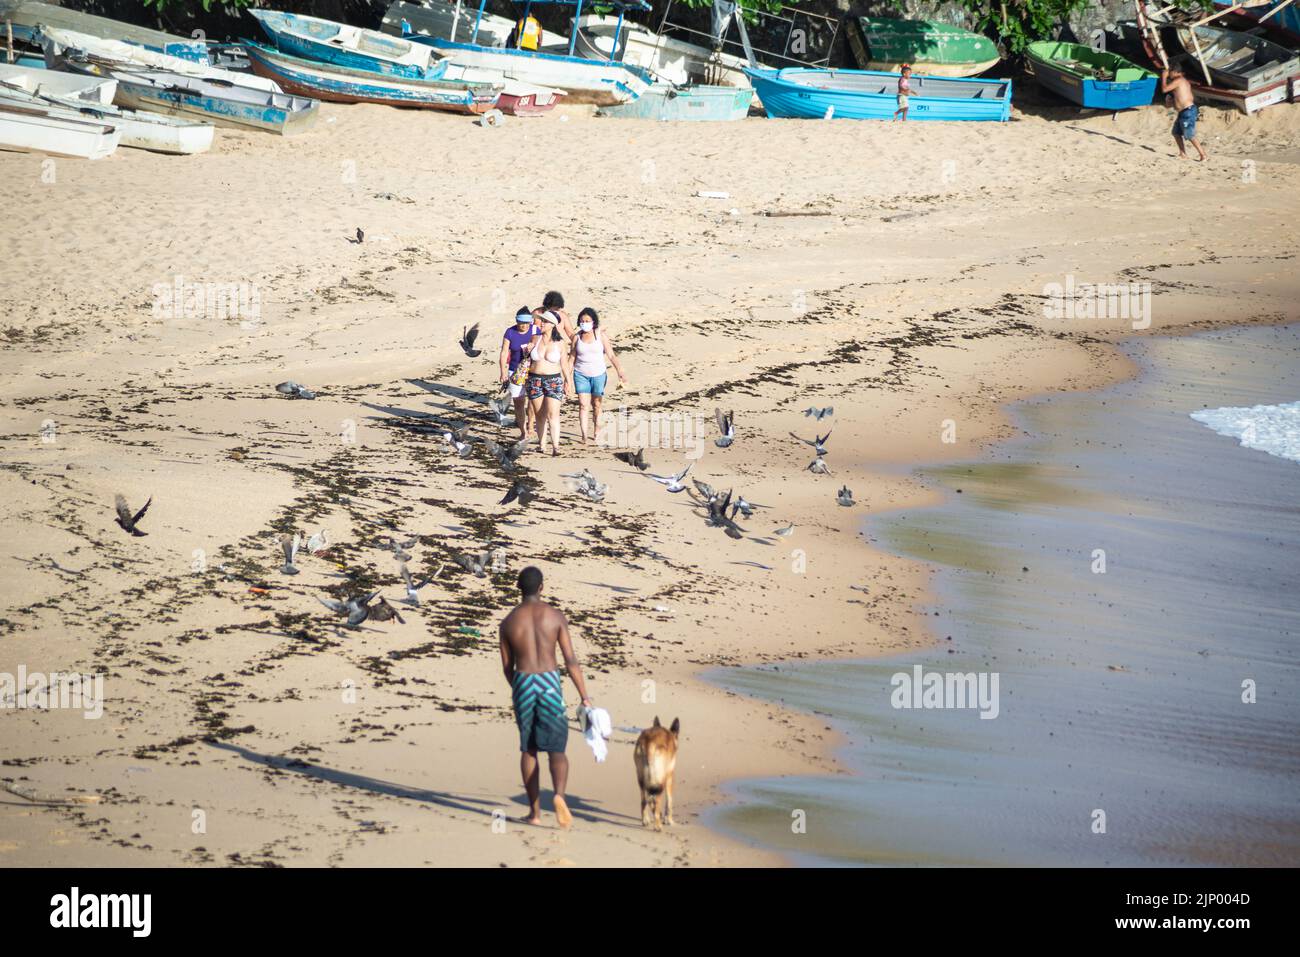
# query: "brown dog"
[655,757]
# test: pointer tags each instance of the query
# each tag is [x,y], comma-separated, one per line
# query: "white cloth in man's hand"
[596,729]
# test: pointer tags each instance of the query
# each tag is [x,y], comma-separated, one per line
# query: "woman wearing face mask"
[547,380]
[592,354]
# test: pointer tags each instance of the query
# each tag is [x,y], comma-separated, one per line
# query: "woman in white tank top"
[591,354]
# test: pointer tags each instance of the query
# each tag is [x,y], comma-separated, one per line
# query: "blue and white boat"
[805,93]
[325,81]
[26,17]
[602,82]
[325,41]
[663,101]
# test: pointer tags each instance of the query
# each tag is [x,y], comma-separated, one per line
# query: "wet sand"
[1120,690]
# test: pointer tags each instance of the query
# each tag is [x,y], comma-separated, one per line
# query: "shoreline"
[891,762]
[945,302]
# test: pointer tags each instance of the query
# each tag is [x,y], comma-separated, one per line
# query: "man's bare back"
[531,632]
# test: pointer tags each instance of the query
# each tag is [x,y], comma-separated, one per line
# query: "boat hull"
[138,130]
[27,17]
[1264,63]
[585,81]
[33,130]
[671,60]
[1131,86]
[325,41]
[662,102]
[90,89]
[799,93]
[339,85]
[933,49]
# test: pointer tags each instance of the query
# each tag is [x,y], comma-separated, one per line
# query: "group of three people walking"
[545,357]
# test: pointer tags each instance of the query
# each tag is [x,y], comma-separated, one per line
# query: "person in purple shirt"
[514,364]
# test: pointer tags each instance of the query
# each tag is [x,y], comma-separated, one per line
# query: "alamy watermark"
[1086,300]
[66,692]
[654,430]
[946,690]
[180,299]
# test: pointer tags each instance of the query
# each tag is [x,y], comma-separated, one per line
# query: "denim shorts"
[1185,123]
[593,385]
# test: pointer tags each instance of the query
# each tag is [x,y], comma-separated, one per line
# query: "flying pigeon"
[317,543]
[845,497]
[744,508]
[500,406]
[290,546]
[356,610]
[586,485]
[727,426]
[673,482]
[718,516]
[508,455]
[399,548]
[294,391]
[467,341]
[128,521]
[819,413]
[784,532]
[519,491]
[412,587]
[385,612]
[635,459]
[818,444]
[454,439]
[818,466]
[706,490]
[475,564]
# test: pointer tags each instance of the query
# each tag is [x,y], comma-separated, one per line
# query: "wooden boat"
[802,93]
[65,45]
[343,85]
[1159,33]
[325,41]
[213,101]
[1276,20]
[27,16]
[28,79]
[1090,78]
[140,130]
[1238,61]
[446,22]
[928,46]
[28,128]
[601,82]
[669,60]
[666,102]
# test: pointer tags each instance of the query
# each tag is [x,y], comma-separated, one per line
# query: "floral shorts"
[551,386]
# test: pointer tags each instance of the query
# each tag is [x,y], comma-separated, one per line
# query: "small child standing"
[904,88]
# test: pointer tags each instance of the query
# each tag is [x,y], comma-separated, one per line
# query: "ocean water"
[1132,577]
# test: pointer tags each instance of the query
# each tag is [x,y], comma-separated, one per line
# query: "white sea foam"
[1274,429]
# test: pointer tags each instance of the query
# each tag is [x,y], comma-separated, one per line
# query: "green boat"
[1091,78]
[927,46]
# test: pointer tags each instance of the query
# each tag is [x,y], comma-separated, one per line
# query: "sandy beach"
[898,273]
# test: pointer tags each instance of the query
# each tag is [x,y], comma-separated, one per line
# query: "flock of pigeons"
[721,509]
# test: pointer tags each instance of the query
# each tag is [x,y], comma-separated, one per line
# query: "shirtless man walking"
[1173,83]
[529,635]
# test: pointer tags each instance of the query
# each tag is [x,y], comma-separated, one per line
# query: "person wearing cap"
[513,367]
[548,379]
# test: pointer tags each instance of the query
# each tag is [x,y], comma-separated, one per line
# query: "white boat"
[69,43]
[671,60]
[326,41]
[30,129]
[137,129]
[446,21]
[27,19]
[91,89]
